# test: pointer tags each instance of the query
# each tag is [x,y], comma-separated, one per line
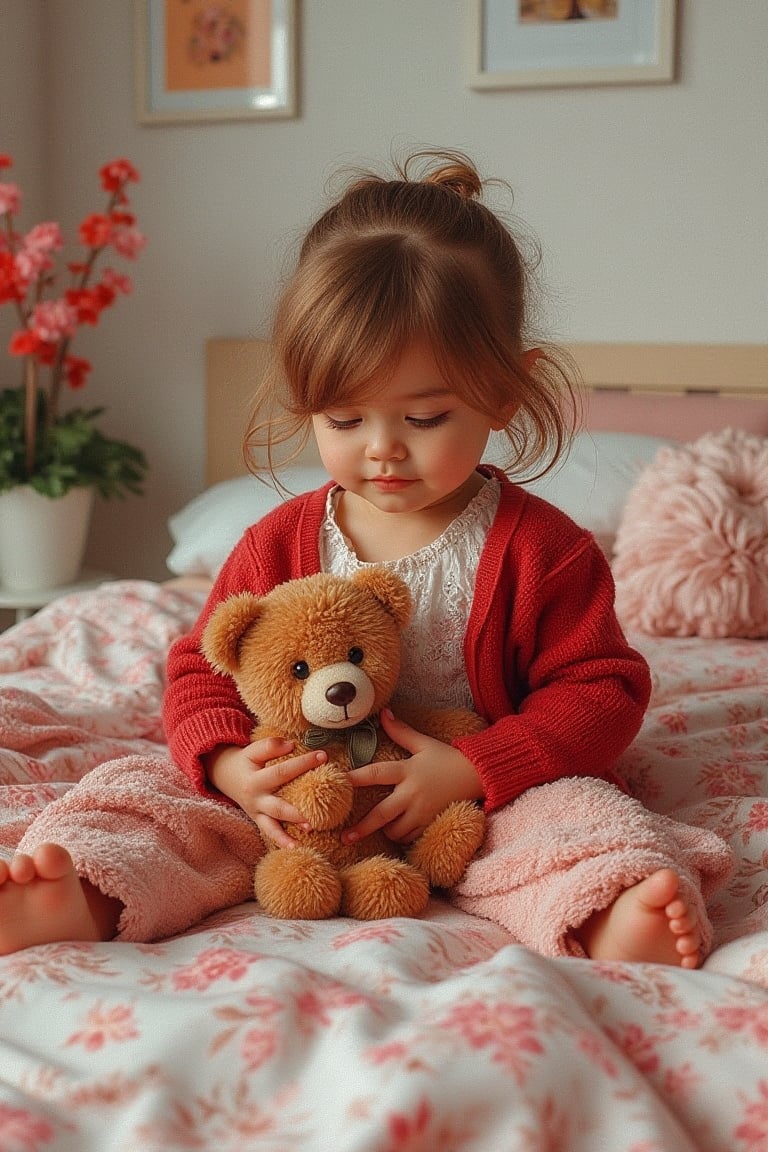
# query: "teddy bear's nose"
[341,693]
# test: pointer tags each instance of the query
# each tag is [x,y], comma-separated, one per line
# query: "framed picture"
[215,59]
[555,43]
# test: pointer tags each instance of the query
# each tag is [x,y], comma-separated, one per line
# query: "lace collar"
[479,513]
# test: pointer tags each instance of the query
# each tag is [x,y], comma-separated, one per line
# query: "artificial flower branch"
[40,446]
[49,325]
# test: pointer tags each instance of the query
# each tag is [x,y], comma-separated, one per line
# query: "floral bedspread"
[396,1036]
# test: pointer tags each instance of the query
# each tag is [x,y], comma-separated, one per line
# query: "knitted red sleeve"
[202,708]
[578,691]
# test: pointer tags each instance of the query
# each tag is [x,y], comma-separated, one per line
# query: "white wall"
[649,201]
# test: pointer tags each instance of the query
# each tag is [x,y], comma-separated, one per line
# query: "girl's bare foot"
[650,922]
[43,900]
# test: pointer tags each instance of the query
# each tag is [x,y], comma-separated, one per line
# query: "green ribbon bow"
[363,740]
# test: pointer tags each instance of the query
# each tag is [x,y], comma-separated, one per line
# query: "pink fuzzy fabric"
[691,554]
[136,829]
[565,850]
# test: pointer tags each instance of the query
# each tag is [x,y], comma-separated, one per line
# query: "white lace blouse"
[441,578]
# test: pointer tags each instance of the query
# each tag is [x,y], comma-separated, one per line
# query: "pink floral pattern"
[398,1036]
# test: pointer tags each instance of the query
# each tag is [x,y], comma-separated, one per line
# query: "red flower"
[105,295]
[24,342]
[28,275]
[53,319]
[87,302]
[128,242]
[76,370]
[10,199]
[123,219]
[11,288]
[117,281]
[117,173]
[96,230]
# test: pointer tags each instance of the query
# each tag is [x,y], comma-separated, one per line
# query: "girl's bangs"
[353,362]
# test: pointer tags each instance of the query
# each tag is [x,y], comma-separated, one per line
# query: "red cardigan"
[546,659]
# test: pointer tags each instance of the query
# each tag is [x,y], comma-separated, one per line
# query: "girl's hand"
[422,786]
[240,773]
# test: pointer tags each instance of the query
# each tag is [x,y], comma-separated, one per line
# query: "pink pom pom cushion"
[691,553]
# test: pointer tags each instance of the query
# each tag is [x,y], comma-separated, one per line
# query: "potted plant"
[53,461]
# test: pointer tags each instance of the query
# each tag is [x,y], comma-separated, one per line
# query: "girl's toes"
[676,910]
[52,862]
[687,949]
[682,925]
[22,869]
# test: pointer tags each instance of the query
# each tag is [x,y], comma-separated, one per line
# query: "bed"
[440,1033]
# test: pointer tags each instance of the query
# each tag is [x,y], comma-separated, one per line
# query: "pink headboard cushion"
[677,417]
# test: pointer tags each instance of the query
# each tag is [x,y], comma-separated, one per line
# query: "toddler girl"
[401,343]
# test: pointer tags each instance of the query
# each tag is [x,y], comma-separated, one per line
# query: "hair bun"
[460,177]
[448,169]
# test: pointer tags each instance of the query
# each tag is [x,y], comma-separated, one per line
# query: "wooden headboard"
[676,390]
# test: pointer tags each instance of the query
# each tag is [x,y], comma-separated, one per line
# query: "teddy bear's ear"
[389,589]
[225,629]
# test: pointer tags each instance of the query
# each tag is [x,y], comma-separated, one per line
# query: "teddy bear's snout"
[337,696]
[341,694]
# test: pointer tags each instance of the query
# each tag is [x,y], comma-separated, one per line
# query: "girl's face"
[410,444]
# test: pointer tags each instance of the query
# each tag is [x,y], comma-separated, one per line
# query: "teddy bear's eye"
[355,655]
[300,669]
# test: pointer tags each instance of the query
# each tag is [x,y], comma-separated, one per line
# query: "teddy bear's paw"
[445,848]
[324,796]
[297,884]
[380,886]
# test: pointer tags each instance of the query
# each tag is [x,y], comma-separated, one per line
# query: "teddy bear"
[315,660]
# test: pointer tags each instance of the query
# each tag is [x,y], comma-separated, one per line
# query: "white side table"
[25,603]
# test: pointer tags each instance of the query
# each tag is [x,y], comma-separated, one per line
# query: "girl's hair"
[392,261]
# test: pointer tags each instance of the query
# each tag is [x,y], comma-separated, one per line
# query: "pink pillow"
[691,553]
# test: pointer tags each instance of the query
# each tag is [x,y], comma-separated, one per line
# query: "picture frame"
[198,60]
[556,43]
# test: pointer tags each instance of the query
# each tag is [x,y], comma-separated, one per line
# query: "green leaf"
[71,453]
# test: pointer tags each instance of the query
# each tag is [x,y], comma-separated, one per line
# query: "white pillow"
[592,483]
[206,530]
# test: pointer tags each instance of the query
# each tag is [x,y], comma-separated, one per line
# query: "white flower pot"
[42,541]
